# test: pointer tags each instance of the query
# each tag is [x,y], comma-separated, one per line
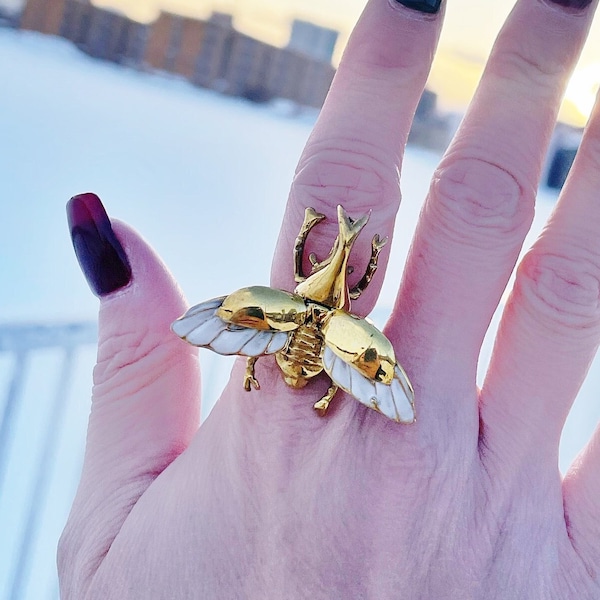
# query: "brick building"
[98,32]
[177,44]
[312,40]
[45,16]
[212,60]
[209,53]
[213,54]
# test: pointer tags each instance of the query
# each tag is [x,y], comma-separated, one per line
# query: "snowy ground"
[188,168]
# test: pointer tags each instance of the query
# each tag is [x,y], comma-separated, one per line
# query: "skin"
[265,500]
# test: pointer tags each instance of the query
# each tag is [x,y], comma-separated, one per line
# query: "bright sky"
[469,30]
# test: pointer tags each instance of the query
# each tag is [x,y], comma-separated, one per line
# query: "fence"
[44,371]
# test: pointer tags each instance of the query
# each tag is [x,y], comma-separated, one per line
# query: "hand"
[267,500]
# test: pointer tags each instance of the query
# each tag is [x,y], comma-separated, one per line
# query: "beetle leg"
[376,246]
[311,218]
[323,404]
[249,379]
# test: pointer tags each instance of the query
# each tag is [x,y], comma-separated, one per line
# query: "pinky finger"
[550,328]
[581,493]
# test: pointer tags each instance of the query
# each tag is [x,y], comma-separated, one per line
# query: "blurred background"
[187,118]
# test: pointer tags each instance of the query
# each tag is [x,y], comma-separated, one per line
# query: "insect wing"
[361,360]
[395,400]
[264,308]
[201,326]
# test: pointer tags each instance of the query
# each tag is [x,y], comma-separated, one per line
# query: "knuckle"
[64,551]
[73,565]
[527,67]
[380,69]
[589,152]
[132,360]
[355,174]
[562,290]
[479,202]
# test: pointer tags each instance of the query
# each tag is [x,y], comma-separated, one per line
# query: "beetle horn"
[350,228]
[327,285]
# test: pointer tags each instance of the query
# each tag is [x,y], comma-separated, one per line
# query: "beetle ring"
[311,330]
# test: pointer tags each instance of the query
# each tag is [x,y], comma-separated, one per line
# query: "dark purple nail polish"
[426,6]
[574,4]
[99,252]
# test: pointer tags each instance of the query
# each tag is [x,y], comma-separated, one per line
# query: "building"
[208,53]
[312,40]
[212,60]
[45,16]
[174,43]
[9,16]
[101,33]
[214,55]
[562,150]
[108,35]
[247,68]
[430,128]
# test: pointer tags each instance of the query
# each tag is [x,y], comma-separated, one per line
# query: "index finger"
[354,153]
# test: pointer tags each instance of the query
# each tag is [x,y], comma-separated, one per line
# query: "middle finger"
[353,155]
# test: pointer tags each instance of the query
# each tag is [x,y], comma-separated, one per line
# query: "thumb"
[145,402]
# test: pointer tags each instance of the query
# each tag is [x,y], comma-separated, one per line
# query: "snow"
[196,173]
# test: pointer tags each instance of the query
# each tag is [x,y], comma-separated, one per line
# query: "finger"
[352,157]
[480,205]
[581,494]
[145,405]
[550,328]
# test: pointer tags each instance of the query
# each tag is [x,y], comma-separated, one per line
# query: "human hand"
[267,500]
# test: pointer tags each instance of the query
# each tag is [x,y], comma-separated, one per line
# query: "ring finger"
[550,327]
[480,207]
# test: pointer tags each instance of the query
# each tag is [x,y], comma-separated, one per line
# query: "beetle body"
[268,309]
[309,331]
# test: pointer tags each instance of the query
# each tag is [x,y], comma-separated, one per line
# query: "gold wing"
[201,326]
[361,361]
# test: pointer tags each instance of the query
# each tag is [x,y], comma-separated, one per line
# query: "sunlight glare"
[583,87]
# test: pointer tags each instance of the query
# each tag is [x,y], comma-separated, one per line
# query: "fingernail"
[99,252]
[426,6]
[574,4]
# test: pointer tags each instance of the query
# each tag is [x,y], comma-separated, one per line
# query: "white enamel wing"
[395,401]
[200,326]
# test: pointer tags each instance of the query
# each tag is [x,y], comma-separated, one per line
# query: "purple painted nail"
[99,252]
[426,6]
[575,4]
